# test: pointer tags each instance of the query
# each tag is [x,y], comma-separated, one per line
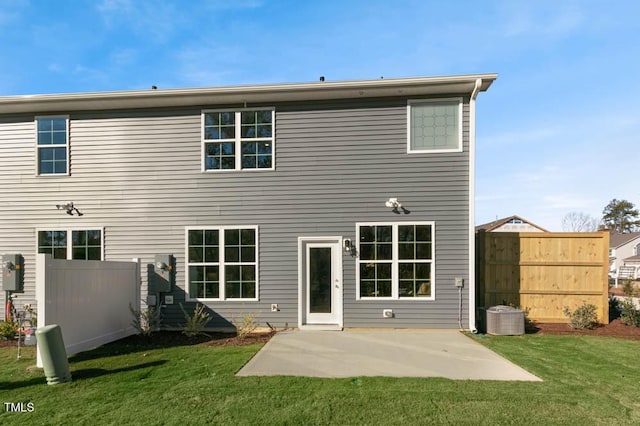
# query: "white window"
[395,261]
[435,125]
[52,145]
[222,263]
[238,140]
[84,244]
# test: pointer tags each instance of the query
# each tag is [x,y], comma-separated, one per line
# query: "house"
[510,224]
[624,256]
[313,205]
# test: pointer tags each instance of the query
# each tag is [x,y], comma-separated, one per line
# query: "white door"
[322,283]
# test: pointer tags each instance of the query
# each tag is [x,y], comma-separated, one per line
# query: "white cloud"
[553,19]
[12,10]
[123,57]
[155,21]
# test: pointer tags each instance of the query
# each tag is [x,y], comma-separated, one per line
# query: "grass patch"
[587,380]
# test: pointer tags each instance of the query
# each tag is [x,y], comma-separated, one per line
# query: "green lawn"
[587,380]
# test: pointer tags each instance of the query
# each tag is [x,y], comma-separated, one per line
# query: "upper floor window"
[238,140]
[84,244]
[53,145]
[435,125]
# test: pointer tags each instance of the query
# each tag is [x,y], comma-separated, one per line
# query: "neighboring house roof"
[617,240]
[317,91]
[488,227]
[633,259]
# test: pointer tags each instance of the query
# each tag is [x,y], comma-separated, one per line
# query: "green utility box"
[53,354]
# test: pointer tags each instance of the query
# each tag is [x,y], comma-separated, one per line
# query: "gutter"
[472,204]
[244,94]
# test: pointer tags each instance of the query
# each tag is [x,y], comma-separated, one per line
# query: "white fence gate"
[88,299]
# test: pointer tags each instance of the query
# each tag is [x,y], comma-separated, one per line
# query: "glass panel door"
[320,280]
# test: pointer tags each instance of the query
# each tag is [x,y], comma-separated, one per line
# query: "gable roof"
[323,90]
[617,240]
[490,226]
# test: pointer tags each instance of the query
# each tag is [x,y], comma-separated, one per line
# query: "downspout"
[472,208]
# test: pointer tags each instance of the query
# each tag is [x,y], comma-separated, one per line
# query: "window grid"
[52,145]
[81,244]
[223,263]
[53,243]
[86,245]
[238,140]
[408,273]
[434,125]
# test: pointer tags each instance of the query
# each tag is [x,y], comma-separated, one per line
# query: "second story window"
[52,145]
[435,125]
[238,140]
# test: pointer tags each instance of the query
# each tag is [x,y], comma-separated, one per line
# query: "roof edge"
[413,86]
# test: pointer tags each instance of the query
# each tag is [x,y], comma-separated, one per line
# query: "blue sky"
[558,131]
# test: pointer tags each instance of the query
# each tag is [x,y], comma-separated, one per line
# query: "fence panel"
[544,272]
[88,299]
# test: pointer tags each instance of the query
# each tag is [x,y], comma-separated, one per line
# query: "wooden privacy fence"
[543,272]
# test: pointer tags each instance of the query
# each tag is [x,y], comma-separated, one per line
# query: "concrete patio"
[394,353]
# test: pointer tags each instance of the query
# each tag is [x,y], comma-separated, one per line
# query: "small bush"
[628,288]
[629,315]
[145,321]
[584,316]
[8,329]
[195,323]
[614,308]
[247,326]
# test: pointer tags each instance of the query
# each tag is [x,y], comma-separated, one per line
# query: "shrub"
[629,315]
[584,316]
[247,326]
[614,308]
[8,329]
[195,323]
[627,288]
[145,321]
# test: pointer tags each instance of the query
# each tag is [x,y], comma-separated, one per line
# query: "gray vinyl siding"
[138,175]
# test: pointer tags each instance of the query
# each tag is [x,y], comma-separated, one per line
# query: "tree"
[620,216]
[579,222]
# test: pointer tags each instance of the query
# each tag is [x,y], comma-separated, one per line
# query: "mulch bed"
[615,328]
[175,338]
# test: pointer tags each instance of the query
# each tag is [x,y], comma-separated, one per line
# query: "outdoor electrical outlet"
[274,307]
[459,282]
[168,300]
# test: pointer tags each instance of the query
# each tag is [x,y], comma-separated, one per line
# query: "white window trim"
[238,140]
[69,241]
[221,263]
[35,122]
[411,102]
[395,282]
